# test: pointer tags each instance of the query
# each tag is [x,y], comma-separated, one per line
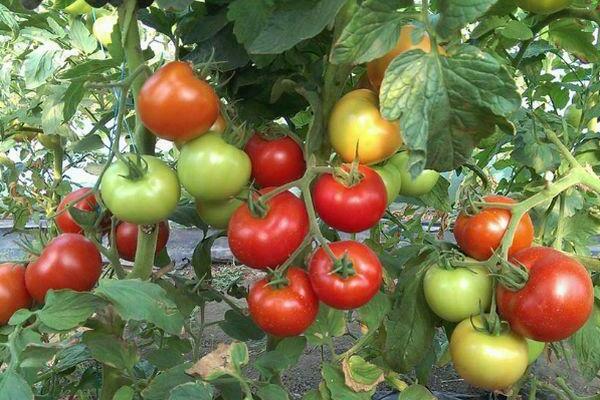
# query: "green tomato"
[457,294]
[573,115]
[78,7]
[534,350]
[147,200]
[543,6]
[211,169]
[218,213]
[419,186]
[592,125]
[103,27]
[391,179]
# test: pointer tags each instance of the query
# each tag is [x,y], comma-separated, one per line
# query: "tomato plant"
[13,293]
[287,310]
[126,236]
[417,186]
[82,199]
[544,6]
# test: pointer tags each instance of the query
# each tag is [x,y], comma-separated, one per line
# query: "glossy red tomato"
[175,105]
[555,302]
[69,261]
[350,209]
[126,239]
[267,242]
[284,311]
[83,199]
[349,292]
[480,234]
[13,293]
[275,162]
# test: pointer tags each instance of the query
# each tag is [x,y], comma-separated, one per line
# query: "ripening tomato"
[544,6]
[275,162]
[218,213]
[126,235]
[266,242]
[287,310]
[480,234]
[555,302]
[175,105]
[418,186]
[350,208]
[442,285]
[69,261]
[142,200]
[84,199]
[357,129]
[347,288]
[211,169]
[376,68]
[13,293]
[492,362]
[391,179]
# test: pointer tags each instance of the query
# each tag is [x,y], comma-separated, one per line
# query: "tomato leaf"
[286,354]
[372,31]
[41,64]
[222,48]
[67,309]
[202,257]
[81,38]
[240,327]
[124,393]
[586,343]
[568,34]
[14,387]
[160,387]
[72,97]
[373,313]
[192,390]
[360,375]
[454,14]
[111,350]
[142,301]
[272,392]
[447,104]
[416,392]
[334,380]
[516,30]
[437,198]
[329,323]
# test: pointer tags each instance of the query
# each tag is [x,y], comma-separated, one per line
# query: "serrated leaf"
[142,301]
[41,64]
[517,30]
[66,309]
[329,323]
[372,31]
[111,350]
[446,105]
[455,14]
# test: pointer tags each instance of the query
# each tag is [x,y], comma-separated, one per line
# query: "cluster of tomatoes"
[553,303]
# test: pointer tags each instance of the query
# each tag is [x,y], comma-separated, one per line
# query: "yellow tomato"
[357,128]
[103,28]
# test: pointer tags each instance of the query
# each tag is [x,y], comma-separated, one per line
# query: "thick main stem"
[145,252]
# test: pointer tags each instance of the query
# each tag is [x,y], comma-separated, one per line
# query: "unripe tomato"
[211,169]
[69,261]
[391,179]
[86,201]
[275,162]
[556,300]
[492,362]
[103,27]
[534,350]
[442,285]
[354,290]
[357,129]
[544,6]
[284,311]
[218,213]
[376,68]
[127,234]
[175,105]
[418,186]
[480,234]
[78,7]
[268,241]
[13,293]
[350,208]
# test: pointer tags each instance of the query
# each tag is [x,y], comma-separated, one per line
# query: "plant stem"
[145,252]
[560,226]
[57,170]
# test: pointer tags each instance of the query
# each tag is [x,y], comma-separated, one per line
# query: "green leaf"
[372,31]
[437,198]
[202,258]
[579,231]
[14,387]
[447,104]
[329,323]
[373,313]
[156,18]
[334,380]
[36,356]
[222,48]
[455,14]
[239,354]
[124,393]
[41,64]
[410,325]
[361,375]
[67,309]
[90,67]
[202,28]
[517,30]
[142,301]
[529,149]
[111,350]
[568,34]
[171,353]
[272,392]
[240,327]
[187,215]
[20,316]
[174,5]
[266,29]
[8,17]
[53,110]
[160,387]
[416,392]
[286,354]
[71,356]
[72,97]
[87,144]
[192,390]
[81,38]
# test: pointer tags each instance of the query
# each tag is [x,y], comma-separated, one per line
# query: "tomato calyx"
[137,167]
[257,204]
[343,267]
[348,174]
[272,132]
[511,275]
[277,278]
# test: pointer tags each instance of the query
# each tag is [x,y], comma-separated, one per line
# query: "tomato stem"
[145,252]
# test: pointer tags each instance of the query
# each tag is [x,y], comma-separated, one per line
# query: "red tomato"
[267,242]
[480,234]
[555,302]
[126,239]
[285,311]
[69,261]
[64,220]
[275,162]
[13,293]
[350,292]
[350,209]
[175,105]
